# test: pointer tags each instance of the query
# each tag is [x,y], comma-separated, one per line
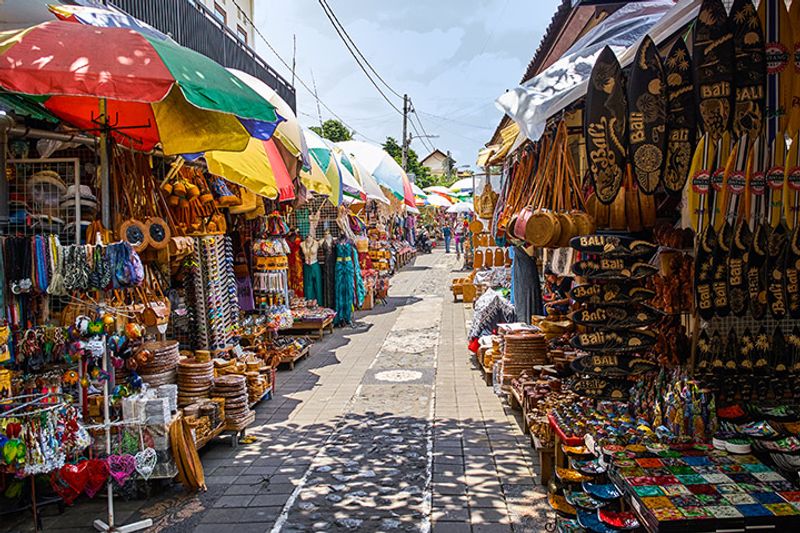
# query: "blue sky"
[453,57]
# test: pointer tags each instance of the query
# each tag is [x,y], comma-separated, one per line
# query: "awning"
[509,135]
[485,153]
[564,82]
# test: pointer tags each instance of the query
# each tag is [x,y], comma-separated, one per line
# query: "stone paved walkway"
[385,427]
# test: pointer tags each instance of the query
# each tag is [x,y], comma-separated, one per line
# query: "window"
[241,33]
[219,12]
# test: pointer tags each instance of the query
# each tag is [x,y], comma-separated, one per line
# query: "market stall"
[660,390]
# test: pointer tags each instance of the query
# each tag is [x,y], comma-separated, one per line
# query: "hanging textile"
[329,273]
[345,282]
[295,266]
[527,293]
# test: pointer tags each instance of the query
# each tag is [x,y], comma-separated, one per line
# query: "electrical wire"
[336,22]
[299,79]
[331,18]
[460,123]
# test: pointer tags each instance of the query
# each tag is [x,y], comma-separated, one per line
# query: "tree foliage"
[424,178]
[333,130]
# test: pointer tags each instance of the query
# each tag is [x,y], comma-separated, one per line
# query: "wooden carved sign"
[681,120]
[617,317]
[601,388]
[756,271]
[751,70]
[613,246]
[647,116]
[792,273]
[737,269]
[612,365]
[614,341]
[613,269]
[713,68]
[611,293]
[605,126]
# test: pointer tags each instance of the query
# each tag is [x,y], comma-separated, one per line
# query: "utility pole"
[294,56]
[449,166]
[405,131]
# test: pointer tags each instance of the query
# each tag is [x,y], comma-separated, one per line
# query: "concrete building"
[236,15]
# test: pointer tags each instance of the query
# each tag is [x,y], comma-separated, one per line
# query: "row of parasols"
[100,70]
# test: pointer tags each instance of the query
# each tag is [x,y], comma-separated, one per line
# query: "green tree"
[333,130]
[422,173]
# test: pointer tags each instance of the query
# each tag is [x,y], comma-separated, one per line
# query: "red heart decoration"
[76,476]
[61,488]
[98,475]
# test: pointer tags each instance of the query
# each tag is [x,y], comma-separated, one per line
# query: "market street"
[348,443]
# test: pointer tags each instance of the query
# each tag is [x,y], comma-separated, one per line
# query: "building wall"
[237,14]
[436,163]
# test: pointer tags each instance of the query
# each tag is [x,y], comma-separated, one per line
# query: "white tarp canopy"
[566,80]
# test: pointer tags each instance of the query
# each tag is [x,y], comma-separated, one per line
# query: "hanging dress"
[295,267]
[329,274]
[345,283]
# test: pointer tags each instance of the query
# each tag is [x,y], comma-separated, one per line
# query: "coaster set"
[194,380]
[233,388]
[522,352]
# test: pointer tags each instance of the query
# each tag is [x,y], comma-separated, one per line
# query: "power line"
[460,123]
[332,19]
[299,79]
[336,22]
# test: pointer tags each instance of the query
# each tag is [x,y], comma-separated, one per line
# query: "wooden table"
[316,327]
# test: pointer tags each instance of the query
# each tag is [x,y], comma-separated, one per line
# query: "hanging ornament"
[146,462]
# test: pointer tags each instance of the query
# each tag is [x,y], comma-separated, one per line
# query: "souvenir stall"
[666,399]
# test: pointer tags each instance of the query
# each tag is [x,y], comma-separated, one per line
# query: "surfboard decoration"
[737,184]
[617,317]
[606,341]
[647,116]
[721,226]
[751,70]
[680,117]
[779,46]
[718,194]
[712,61]
[704,273]
[792,273]
[794,114]
[757,271]
[791,184]
[611,293]
[613,269]
[791,207]
[700,182]
[612,365]
[613,246]
[738,295]
[776,264]
[605,126]
[703,364]
[776,178]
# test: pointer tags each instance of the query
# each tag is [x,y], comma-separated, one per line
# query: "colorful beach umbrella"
[104,17]
[367,181]
[320,152]
[289,132]
[461,207]
[259,167]
[464,185]
[156,92]
[437,200]
[383,167]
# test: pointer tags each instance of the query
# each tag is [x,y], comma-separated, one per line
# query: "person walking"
[459,232]
[448,234]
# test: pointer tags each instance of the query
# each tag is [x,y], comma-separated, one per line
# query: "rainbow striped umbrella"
[381,165]
[156,92]
[321,155]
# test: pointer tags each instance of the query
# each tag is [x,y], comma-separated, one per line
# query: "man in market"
[459,234]
[447,232]
[556,293]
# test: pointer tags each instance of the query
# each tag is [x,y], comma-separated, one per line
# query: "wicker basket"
[543,228]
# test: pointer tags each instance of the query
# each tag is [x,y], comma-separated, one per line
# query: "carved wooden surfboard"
[611,293]
[712,61]
[681,121]
[605,126]
[613,246]
[617,317]
[614,341]
[647,116]
[779,47]
[751,70]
